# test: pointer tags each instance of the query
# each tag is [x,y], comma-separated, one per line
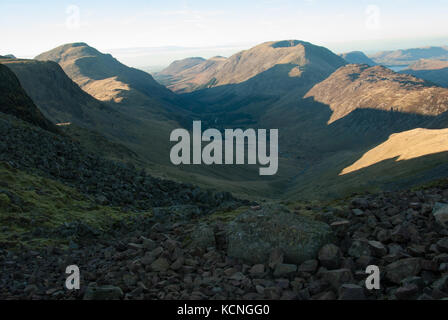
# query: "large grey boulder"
[440,213]
[203,237]
[402,269]
[253,235]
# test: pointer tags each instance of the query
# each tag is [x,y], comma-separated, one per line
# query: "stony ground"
[404,233]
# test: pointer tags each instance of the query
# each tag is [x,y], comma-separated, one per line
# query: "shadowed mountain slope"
[15,101]
[357,57]
[60,99]
[431,70]
[56,95]
[106,79]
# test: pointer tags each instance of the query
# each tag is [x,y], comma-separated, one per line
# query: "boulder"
[401,269]
[103,293]
[338,277]
[253,235]
[257,270]
[359,248]
[203,237]
[442,245]
[351,292]
[309,266]
[377,248]
[406,292]
[440,213]
[160,264]
[284,269]
[330,256]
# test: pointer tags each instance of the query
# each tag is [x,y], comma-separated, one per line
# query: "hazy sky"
[28,28]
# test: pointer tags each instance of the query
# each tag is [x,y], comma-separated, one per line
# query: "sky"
[149,33]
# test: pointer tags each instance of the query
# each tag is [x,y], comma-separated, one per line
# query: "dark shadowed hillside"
[357,57]
[56,95]
[431,70]
[14,101]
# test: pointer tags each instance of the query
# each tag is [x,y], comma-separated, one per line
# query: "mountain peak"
[287,43]
[107,79]
[277,57]
[69,51]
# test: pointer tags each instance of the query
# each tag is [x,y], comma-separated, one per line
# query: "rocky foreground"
[265,252]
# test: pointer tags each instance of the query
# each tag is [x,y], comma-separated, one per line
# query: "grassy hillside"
[35,211]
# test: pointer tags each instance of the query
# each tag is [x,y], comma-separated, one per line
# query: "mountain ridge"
[248,64]
[361,86]
[108,80]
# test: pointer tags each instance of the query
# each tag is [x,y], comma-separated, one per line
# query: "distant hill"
[144,130]
[428,64]
[56,95]
[363,87]
[267,62]
[181,65]
[15,101]
[357,57]
[106,79]
[409,56]
[430,69]
[189,78]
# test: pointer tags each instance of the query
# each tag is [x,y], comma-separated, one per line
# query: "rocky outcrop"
[362,87]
